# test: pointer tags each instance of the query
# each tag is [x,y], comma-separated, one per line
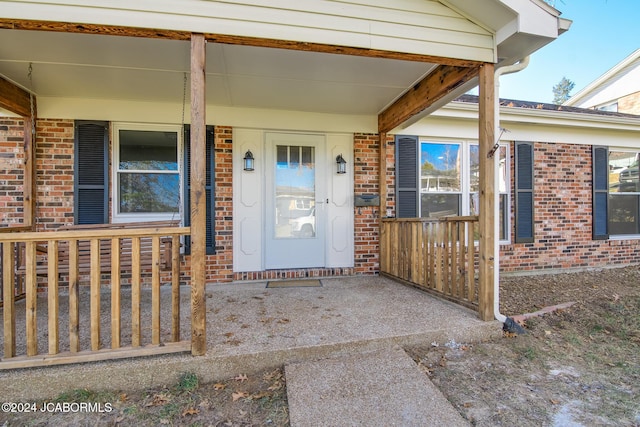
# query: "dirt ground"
[578,366]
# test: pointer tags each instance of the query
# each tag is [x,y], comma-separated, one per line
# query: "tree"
[562,91]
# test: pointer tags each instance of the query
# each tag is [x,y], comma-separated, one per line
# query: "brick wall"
[629,104]
[54,173]
[562,215]
[220,266]
[366,221]
[11,172]
[562,203]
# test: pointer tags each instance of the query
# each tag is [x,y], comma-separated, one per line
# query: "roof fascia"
[466,110]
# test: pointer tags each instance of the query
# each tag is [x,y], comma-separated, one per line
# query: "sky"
[603,33]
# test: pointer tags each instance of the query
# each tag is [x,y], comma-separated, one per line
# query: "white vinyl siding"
[410,26]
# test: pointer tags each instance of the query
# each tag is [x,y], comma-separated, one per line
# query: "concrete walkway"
[251,328]
[383,388]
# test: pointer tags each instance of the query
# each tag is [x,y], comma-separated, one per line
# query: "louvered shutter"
[210,157]
[91,195]
[524,214]
[407,184]
[600,226]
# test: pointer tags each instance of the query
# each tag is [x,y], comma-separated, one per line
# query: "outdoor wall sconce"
[248,161]
[342,164]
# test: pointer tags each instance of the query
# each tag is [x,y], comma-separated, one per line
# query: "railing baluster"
[95,294]
[32,299]
[8,304]
[115,292]
[135,292]
[52,296]
[454,258]
[464,259]
[155,290]
[415,257]
[175,288]
[74,298]
[471,263]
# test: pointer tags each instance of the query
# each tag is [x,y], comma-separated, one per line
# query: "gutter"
[509,324]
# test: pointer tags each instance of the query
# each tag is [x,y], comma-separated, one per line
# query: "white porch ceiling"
[137,69]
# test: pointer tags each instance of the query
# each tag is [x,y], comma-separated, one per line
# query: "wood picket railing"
[114,255]
[437,255]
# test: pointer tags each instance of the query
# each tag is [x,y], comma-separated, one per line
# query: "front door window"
[295,192]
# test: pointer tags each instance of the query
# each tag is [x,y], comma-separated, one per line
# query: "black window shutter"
[91,195]
[524,214]
[210,158]
[600,156]
[407,176]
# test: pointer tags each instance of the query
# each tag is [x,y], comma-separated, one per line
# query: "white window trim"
[116,216]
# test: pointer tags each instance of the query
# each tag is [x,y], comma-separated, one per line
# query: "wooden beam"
[421,96]
[68,27]
[15,99]
[29,190]
[487,161]
[198,196]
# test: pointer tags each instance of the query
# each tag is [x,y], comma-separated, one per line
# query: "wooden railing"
[438,255]
[79,246]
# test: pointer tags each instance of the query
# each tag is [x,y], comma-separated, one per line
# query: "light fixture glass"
[342,164]
[248,161]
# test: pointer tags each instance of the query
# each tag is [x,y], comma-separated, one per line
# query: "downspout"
[509,323]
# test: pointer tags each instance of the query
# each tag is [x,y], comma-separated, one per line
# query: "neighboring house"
[616,90]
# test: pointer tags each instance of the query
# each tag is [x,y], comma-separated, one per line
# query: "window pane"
[149,192]
[503,172]
[148,150]
[474,209]
[295,192]
[623,172]
[503,216]
[474,172]
[439,167]
[623,214]
[439,205]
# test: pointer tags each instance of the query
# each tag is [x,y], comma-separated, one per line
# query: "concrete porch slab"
[250,328]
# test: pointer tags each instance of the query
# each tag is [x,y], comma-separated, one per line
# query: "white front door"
[296,200]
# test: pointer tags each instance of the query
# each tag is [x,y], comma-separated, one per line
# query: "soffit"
[127,68]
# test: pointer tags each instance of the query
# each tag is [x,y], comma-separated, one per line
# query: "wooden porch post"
[487,191]
[29,198]
[198,196]
[21,102]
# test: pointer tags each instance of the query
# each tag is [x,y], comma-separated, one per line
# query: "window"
[438,179]
[146,170]
[609,107]
[624,189]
